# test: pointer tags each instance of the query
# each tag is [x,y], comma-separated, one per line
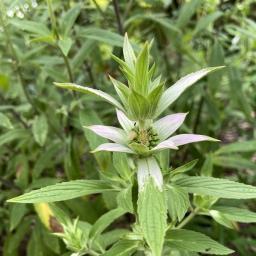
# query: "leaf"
[216,187]
[157,18]
[222,220]
[138,106]
[234,161]
[5,121]
[124,199]
[17,213]
[241,146]
[178,202]
[152,216]
[141,71]
[65,45]
[63,191]
[122,90]
[184,168]
[237,93]
[89,90]
[37,28]
[192,241]
[128,52]
[40,129]
[205,21]
[172,93]
[13,135]
[104,221]
[237,214]
[217,58]
[187,11]
[68,19]
[102,35]
[122,248]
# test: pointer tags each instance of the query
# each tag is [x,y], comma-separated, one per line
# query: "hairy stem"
[188,218]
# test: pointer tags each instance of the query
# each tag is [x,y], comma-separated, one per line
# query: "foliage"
[150,196]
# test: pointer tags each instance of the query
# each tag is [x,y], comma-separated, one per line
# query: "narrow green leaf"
[68,19]
[172,93]
[104,221]
[122,248]
[141,71]
[184,168]
[102,35]
[192,241]
[40,129]
[65,45]
[13,135]
[216,187]
[237,214]
[241,146]
[128,52]
[5,121]
[205,21]
[178,202]
[95,92]
[152,216]
[63,191]
[138,106]
[222,219]
[187,11]
[31,26]
[234,161]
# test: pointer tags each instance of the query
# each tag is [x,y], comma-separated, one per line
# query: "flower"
[147,138]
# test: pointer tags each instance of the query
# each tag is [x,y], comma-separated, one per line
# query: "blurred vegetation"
[41,135]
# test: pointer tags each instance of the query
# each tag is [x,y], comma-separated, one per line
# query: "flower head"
[147,138]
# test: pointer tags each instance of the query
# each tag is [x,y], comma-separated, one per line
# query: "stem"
[188,218]
[55,30]
[66,61]
[118,17]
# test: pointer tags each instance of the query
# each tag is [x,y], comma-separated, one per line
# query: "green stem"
[188,218]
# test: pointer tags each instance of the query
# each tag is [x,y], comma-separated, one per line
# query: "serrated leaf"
[192,241]
[216,187]
[178,202]
[63,191]
[222,219]
[40,129]
[124,199]
[152,216]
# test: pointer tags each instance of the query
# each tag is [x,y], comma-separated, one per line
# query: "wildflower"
[147,138]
